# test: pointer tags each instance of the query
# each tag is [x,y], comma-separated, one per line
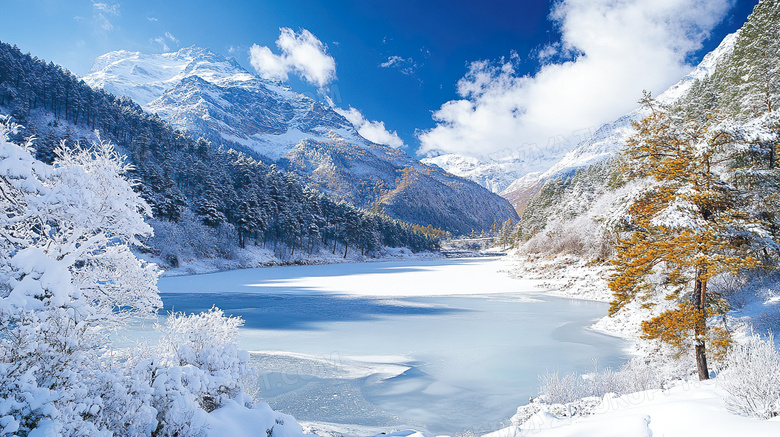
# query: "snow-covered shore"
[257,256]
[684,410]
[683,407]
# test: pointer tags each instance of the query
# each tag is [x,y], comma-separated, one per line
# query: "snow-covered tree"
[686,226]
[67,276]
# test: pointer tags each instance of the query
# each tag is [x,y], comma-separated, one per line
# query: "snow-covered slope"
[144,77]
[214,97]
[687,409]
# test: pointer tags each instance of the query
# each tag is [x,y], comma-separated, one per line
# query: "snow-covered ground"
[685,410]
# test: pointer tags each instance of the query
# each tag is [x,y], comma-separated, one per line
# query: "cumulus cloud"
[301,53]
[608,53]
[373,131]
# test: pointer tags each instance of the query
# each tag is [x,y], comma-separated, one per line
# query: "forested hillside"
[207,201]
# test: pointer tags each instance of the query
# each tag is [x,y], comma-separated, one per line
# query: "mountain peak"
[145,77]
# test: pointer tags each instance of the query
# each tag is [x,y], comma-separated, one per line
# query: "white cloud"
[393,61]
[611,51]
[171,38]
[301,53]
[161,41]
[152,19]
[406,66]
[112,9]
[101,13]
[373,131]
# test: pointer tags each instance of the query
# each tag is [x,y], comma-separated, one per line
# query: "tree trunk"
[701,362]
[700,327]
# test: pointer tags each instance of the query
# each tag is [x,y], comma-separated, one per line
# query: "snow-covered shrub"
[636,375]
[752,378]
[581,235]
[196,370]
[581,395]
[68,279]
[207,341]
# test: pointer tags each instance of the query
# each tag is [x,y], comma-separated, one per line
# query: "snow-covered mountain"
[200,91]
[530,174]
[214,97]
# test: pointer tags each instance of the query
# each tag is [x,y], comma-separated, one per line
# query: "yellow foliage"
[674,327]
[677,157]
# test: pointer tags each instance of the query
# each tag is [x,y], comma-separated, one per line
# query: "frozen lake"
[448,345]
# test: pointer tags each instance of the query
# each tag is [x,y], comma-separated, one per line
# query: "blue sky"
[446,76]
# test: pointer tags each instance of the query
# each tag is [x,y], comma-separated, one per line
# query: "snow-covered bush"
[636,375]
[581,235]
[189,239]
[752,378]
[573,395]
[207,341]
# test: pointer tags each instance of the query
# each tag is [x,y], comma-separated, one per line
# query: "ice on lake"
[448,345]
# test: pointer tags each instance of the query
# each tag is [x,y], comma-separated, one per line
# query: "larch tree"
[684,227]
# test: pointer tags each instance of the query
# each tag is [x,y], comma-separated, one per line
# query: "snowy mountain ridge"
[152,74]
[196,89]
[494,173]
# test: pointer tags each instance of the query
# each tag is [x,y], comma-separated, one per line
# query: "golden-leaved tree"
[686,225]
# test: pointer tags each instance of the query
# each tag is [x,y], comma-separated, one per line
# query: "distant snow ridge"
[494,173]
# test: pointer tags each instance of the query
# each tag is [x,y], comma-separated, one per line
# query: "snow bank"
[236,420]
[257,256]
[562,276]
[687,409]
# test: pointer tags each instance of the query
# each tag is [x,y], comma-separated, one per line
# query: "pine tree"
[686,226]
